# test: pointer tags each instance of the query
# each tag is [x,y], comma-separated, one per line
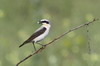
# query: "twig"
[88,40]
[40,49]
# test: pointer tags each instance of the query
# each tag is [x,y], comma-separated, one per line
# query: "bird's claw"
[43,46]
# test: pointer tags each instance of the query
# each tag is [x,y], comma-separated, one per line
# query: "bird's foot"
[43,46]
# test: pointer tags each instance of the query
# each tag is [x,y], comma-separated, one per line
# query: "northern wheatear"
[39,34]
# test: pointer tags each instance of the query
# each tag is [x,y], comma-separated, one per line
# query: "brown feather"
[33,36]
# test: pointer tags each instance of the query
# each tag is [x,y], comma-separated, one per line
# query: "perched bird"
[39,34]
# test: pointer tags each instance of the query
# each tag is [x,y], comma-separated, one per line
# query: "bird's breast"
[42,36]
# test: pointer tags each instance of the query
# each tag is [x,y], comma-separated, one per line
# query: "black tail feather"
[22,44]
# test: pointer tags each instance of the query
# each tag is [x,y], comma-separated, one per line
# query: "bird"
[39,34]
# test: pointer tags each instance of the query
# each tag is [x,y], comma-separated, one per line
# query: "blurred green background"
[18,20]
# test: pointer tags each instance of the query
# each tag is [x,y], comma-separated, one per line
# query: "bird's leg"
[40,44]
[34,46]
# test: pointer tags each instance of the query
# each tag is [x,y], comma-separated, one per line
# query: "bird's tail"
[22,44]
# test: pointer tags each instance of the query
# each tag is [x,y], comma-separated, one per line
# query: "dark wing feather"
[36,34]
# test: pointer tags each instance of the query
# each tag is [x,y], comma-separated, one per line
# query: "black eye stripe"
[45,22]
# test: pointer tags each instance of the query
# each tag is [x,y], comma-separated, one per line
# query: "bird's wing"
[37,33]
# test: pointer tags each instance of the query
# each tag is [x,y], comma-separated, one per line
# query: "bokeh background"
[18,20]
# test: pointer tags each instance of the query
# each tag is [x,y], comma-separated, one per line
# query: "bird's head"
[44,21]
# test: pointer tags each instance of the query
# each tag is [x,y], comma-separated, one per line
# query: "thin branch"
[88,40]
[40,49]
